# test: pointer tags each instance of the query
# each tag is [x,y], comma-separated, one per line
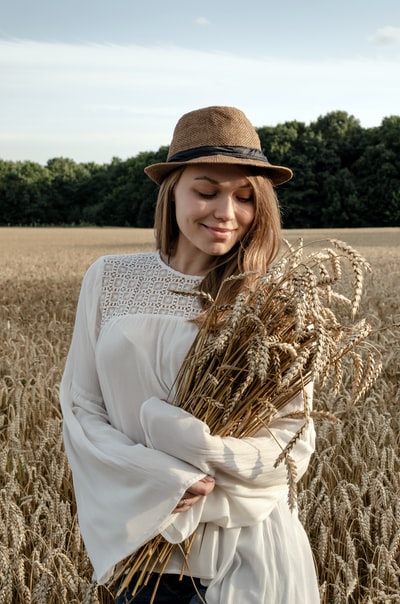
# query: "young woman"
[143,467]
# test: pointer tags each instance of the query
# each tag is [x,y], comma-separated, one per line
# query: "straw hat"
[216,135]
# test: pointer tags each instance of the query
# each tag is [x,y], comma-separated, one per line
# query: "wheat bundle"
[249,359]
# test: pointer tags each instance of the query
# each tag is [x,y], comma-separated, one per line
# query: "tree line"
[344,176]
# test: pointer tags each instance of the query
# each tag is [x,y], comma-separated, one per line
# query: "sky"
[92,79]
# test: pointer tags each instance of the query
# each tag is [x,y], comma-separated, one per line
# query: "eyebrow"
[215,182]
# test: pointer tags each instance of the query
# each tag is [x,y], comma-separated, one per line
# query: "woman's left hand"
[199,489]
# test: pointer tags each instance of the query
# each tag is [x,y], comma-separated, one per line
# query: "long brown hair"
[256,251]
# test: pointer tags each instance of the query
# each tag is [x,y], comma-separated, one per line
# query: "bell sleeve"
[248,482]
[125,491]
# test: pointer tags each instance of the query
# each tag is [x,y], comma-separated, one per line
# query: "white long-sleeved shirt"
[133,455]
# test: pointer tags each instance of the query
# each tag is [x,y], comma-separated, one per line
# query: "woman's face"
[214,208]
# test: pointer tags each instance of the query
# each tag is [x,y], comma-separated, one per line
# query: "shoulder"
[122,263]
[120,273]
[111,268]
[126,265]
[115,275]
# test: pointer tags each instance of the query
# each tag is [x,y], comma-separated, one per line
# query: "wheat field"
[349,501]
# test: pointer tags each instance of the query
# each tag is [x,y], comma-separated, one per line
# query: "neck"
[196,266]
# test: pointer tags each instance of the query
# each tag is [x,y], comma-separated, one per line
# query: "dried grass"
[348,500]
[251,358]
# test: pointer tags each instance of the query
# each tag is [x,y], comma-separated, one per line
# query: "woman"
[143,467]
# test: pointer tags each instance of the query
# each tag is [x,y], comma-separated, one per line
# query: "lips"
[219,231]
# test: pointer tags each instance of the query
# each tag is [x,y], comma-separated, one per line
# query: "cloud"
[202,21]
[95,102]
[386,36]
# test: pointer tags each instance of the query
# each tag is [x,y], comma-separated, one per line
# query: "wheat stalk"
[251,358]
[37,308]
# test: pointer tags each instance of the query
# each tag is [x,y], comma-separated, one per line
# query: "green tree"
[130,196]
[67,178]
[296,145]
[377,174]
[344,176]
[24,192]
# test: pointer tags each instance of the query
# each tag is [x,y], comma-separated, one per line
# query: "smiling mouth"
[219,230]
[220,234]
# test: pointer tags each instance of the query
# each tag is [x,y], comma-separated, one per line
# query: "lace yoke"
[143,284]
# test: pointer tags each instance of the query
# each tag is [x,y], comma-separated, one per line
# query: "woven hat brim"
[277,174]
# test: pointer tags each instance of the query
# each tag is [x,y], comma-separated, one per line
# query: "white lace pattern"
[143,284]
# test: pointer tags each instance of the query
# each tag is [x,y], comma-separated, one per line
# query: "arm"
[125,492]
[247,484]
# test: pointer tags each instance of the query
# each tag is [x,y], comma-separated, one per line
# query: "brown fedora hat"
[214,135]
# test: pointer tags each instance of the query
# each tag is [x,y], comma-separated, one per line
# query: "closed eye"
[207,195]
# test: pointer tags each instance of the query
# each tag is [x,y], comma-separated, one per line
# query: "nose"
[225,208]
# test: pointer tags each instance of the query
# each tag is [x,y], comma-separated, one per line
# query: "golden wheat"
[230,382]
[349,500]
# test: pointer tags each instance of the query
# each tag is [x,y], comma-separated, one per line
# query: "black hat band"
[239,152]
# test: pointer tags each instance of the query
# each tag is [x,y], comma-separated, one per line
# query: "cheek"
[246,215]
[179,210]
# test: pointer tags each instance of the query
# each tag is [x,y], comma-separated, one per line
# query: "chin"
[221,252]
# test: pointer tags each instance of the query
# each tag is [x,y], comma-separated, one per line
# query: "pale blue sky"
[92,80]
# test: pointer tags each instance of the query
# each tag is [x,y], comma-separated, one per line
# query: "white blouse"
[133,455]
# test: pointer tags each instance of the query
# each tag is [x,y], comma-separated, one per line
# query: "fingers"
[202,487]
[199,489]
[186,502]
